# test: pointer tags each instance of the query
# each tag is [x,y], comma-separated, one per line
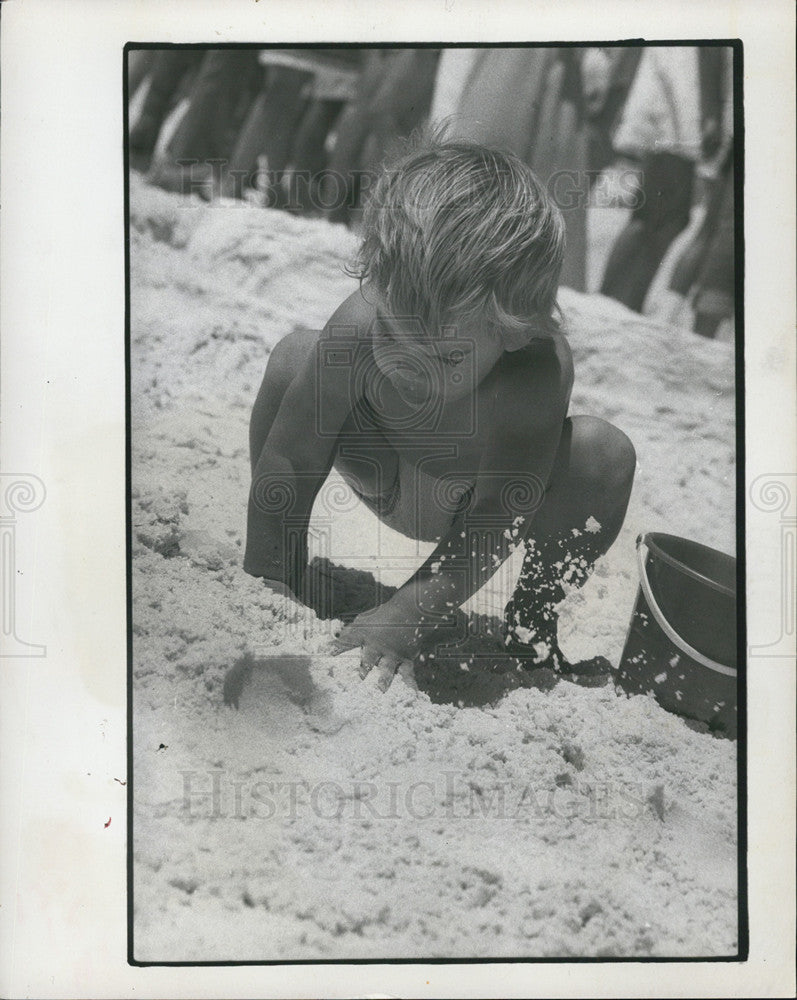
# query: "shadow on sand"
[473,673]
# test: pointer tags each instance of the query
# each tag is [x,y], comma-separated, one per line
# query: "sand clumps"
[294,812]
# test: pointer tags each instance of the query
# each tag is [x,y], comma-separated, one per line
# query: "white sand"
[569,821]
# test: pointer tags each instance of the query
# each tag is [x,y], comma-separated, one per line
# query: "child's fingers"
[406,671]
[337,646]
[344,640]
[386,670]
[370,657]
[387,664]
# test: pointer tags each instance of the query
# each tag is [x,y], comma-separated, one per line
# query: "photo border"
[743,927]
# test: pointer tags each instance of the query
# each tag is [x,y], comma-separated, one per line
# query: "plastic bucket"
[681,643]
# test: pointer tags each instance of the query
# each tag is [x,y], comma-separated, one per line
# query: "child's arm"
[510,483]
[291,468]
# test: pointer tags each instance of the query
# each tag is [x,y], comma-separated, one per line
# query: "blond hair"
[455,231]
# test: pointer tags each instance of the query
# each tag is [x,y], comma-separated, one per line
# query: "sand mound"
[321,819]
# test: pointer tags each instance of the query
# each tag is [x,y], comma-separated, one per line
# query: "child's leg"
[662,215]
[268,129]
[309,156]
[370,467]
[284,362]
[579,519]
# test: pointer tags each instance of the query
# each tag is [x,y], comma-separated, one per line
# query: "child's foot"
[546,653]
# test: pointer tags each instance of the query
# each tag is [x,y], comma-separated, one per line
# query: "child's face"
[420,364]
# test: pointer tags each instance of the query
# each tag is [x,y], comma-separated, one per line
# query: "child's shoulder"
[538,378]
[542,363]
[355,311]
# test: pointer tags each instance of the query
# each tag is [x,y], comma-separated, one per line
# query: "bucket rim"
[649,539]
[664,625]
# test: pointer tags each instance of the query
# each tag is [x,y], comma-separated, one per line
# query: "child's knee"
[284,362]
[605,452]
[278,366]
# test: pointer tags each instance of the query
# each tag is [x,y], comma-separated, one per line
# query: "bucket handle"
[665,557]
[665,626]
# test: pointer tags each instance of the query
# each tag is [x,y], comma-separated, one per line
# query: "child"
[440,390]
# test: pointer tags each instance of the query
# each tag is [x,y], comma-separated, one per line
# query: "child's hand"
[375,652]
[391,645]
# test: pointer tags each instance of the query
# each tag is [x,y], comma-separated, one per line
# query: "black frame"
[741,568]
